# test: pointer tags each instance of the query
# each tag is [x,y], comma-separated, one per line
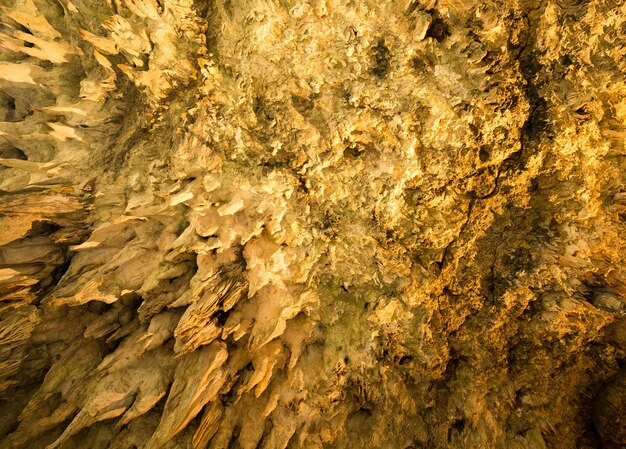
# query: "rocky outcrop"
[316,224]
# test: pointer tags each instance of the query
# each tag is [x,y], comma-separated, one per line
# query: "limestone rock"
[312,224]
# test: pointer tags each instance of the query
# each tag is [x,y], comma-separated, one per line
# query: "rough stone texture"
[312,224]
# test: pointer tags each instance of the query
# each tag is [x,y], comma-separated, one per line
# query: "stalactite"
[312,224]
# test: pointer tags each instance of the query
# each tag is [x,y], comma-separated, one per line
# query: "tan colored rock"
[312,224]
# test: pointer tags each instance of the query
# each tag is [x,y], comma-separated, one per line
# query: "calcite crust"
[284,224]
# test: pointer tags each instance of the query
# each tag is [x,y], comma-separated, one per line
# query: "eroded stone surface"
[312,224]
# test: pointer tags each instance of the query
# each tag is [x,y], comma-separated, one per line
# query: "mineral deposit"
[280,224]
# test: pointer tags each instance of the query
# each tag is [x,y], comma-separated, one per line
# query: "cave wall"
[312,224]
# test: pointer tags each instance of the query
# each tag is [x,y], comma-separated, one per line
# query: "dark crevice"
[537,125]
[457,428]
[50,283]
[382,57]
[438,28]
[13,153]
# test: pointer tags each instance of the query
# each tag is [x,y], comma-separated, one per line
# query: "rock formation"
[312,224]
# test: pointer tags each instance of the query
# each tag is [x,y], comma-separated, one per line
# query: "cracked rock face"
[312,224]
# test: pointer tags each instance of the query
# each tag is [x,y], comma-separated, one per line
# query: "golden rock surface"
[284,224]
